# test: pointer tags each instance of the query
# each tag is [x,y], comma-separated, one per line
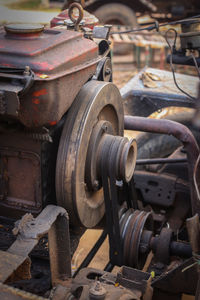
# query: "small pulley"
[136,231]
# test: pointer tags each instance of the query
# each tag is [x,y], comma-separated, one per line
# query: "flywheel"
[97,109]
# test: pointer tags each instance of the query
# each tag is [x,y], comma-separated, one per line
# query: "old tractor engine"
[61,124]
[49,104]
[66,166]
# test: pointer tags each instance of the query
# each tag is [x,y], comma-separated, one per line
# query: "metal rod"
[153,161]
[179,131]
[59,249]
[175,248]
[180,249]
[109,267]
[92,252]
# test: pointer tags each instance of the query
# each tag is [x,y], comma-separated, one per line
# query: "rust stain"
[53,123]
[40,93]
[45,65]
[7,65]
[36,101]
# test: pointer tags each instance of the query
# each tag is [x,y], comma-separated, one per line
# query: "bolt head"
[97,291]
[96,184]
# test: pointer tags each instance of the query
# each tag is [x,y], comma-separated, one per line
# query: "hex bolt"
[97,291]
[96,184]
[105,127]
[159,265]
[107,71]
[27,70]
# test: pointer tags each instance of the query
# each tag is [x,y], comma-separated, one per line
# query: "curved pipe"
[179,131]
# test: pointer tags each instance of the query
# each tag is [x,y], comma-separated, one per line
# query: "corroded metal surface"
[52,58]
[20,184]
[93,279]
[54,221]
[8,264]
[132,227]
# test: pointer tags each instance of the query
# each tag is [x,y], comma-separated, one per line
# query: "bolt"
[105,127]
[119,183]
[107,71]
[97,291]
[159,265]
[69,23]
[96,184]
[86,187]
[183,150]
[143,248]
[98,286]
[27,70]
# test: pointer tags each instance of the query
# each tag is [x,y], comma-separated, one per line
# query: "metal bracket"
[101,32]
[25,77]
[3,106]
[9,93]
[52,220]
[156,189]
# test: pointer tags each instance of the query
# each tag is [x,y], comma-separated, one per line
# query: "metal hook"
[77,20]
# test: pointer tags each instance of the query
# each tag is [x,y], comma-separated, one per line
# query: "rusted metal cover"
[62,62]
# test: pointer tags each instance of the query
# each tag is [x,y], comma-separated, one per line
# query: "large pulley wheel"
[97,103]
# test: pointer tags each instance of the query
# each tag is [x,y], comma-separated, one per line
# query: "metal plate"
[96,101]
[20,182]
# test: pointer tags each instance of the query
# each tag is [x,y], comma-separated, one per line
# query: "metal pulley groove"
[133,223]
[117,160]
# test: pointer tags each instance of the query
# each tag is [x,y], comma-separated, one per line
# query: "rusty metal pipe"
[179,131]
